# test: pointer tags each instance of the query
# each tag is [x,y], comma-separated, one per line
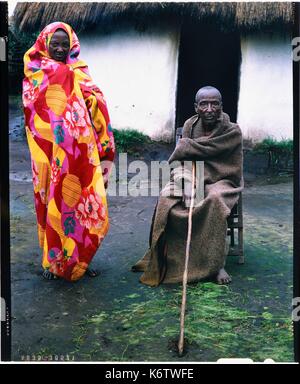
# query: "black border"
[4,193]
[296,101]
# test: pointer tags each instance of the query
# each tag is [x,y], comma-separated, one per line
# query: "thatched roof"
[84,16]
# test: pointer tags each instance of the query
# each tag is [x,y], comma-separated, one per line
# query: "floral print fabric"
[70,139]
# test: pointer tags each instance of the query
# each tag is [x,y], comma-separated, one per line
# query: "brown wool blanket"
[221,150]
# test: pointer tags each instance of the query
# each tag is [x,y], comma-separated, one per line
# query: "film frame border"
[4,190]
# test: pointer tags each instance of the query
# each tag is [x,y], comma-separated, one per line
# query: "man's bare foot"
[223,277]
[92,272]
[49,275]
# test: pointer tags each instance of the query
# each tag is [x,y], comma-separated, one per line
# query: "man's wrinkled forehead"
[208,94]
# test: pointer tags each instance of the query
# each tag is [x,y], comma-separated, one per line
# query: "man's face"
[209,107]
[59,46]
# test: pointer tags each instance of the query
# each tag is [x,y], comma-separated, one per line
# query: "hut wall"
[265,106]
[137,72]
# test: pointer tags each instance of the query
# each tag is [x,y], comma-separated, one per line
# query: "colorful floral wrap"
[72,150]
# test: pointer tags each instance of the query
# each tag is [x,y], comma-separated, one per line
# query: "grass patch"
[280,153]
[271,145]
[130,140]
[216,326]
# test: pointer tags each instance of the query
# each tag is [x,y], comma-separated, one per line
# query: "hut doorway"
[207,56]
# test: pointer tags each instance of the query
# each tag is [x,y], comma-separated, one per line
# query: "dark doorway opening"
[207,56]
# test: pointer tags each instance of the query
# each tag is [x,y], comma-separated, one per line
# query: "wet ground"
[115,318]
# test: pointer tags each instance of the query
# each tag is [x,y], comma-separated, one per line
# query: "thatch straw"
[83,16]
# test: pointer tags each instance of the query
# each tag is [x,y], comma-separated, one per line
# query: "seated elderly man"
[208,136]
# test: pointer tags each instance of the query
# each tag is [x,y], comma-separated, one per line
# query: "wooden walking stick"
[185,273]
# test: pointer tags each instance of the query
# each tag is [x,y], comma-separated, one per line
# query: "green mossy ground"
[250,318]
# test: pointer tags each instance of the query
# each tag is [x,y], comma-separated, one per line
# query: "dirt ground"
[115,318]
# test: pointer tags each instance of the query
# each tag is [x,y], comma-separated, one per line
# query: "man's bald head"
[208,91]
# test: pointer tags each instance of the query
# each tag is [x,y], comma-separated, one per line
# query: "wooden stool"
[235,231]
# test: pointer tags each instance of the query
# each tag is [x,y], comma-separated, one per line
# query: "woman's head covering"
[53,89]
[40,49]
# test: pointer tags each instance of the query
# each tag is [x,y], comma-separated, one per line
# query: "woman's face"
[59,46]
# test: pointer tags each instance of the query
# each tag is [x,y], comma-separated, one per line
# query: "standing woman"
[72,150]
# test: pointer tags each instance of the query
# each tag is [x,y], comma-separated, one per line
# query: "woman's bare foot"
[49,275]
[92,272]
[223,277]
